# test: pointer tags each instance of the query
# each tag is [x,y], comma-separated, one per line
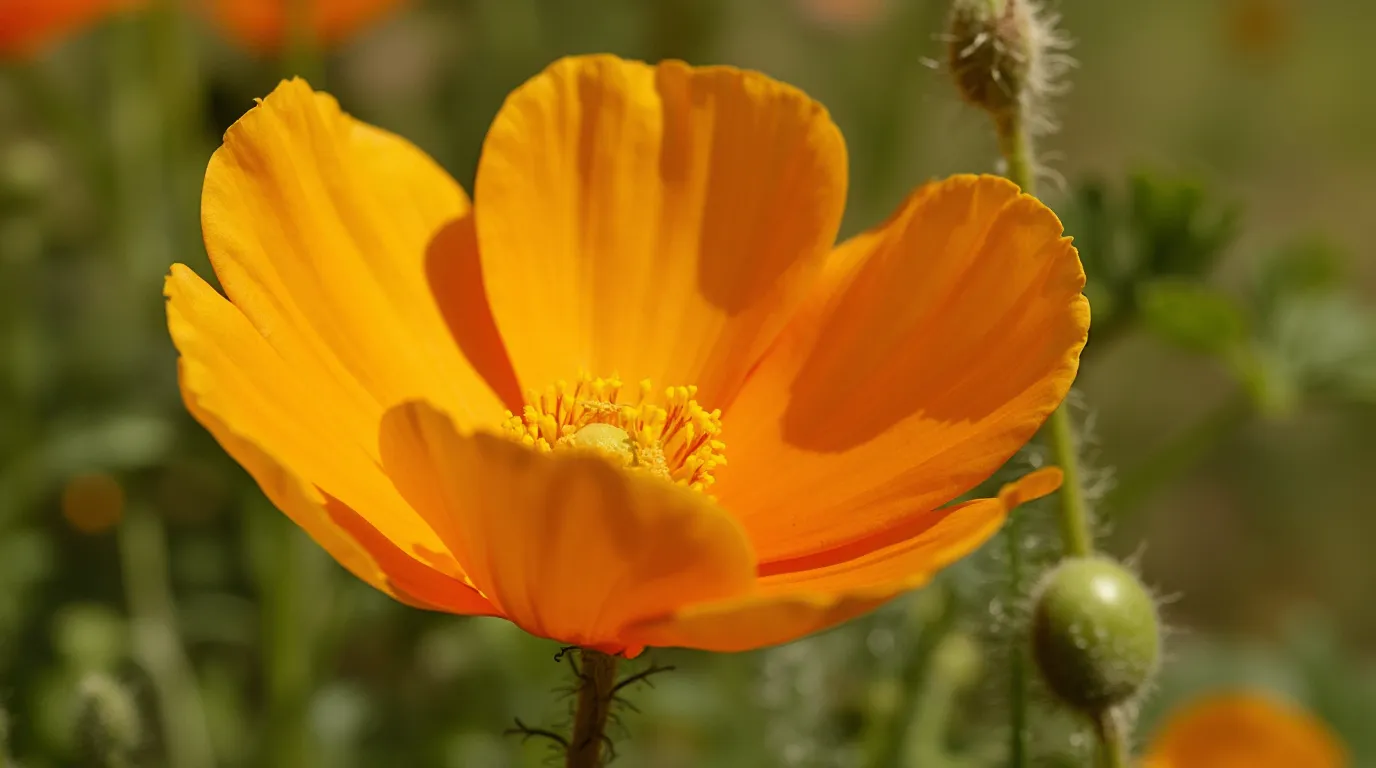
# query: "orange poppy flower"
[267,24]
[28,25]
[669,225]
[1244,730]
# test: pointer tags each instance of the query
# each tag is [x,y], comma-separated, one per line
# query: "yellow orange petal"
[1244,730]
[344,534]
[323,231]
[655,222]
[799,597]
[565,545]
[268,24]
[455,272]
[933,349]
[925,545]
[241,389]
[27,25]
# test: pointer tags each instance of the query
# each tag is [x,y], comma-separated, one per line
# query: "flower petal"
[655,222]
[1244,730]
[809,594]
[567,546]
[238,386]
[344,534]
[321,230]
[934,348]
[925,545]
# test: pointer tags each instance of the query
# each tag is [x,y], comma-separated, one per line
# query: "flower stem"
[893,733]
[597,680]
[1016,147]
[1075,531]
[289,593]
[1017,658]
[156,646]
[1113,746]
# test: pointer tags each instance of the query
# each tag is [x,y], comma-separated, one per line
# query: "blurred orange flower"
[845,13]
[28,25]
[1244,730]
[267,24]
[1259,29]
[93,502]
[669,224]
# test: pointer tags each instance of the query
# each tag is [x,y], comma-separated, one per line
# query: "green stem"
[285,581]
[954,667]
[1113,743]
[1016,146]
[596,684]
[1179,454]
[156,645]
[892,733]
[1017,655]
[1074,517]
[144,251]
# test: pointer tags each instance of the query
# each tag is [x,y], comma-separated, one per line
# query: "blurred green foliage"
[1231,374]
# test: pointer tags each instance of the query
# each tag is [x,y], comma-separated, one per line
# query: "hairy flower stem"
[597,681]
[1016,146]
[1113,748]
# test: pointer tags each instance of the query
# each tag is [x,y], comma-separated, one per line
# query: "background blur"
[1215,163]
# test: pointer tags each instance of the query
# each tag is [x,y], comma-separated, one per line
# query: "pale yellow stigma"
[666,434]
[605,439]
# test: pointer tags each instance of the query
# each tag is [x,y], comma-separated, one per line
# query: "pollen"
[664,433]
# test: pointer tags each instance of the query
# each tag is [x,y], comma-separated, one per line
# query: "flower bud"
[1095,633]
[990,51]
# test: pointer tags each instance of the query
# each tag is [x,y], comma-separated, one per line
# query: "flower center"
[666,434]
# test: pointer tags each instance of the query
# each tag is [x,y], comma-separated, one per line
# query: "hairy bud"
[1005,55]
[1095,633]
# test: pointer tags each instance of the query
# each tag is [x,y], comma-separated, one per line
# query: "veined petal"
[267,24]
[799,597]
[322,230]
[656,222]
[924,546]
[340,531]
[276,420]
[934,348]
[564,545]
[1244,730]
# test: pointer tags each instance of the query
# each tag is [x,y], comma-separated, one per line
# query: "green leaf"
[1328,342]
[1306,265]
[1193,316]
[1178,227]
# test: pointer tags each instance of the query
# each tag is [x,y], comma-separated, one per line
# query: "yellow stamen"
[669,436]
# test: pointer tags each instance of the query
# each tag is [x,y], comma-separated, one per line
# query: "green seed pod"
[1095,633]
